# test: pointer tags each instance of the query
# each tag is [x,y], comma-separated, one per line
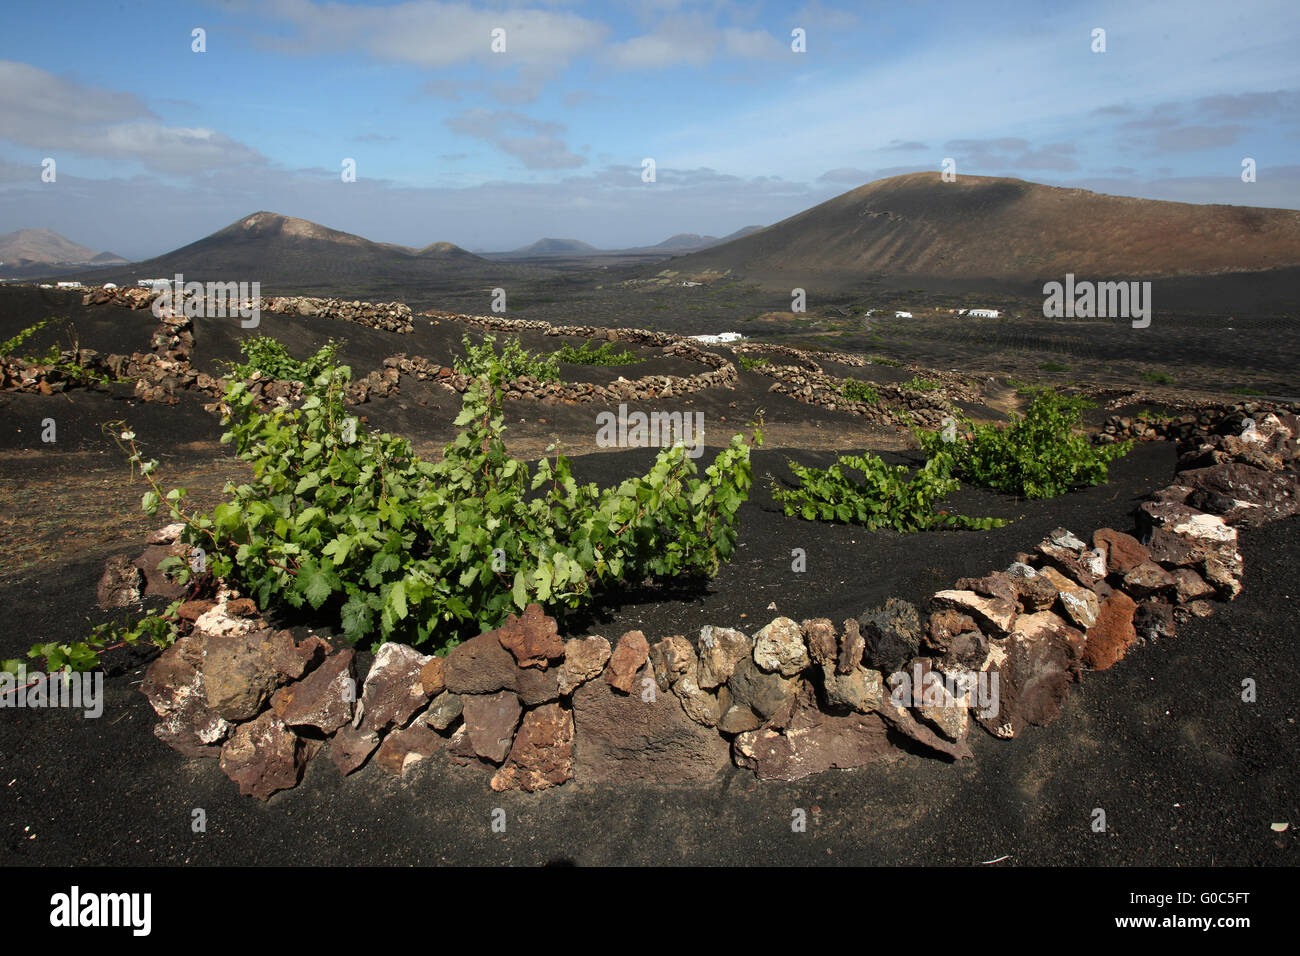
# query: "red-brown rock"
[264,756]
[1113,634]
[532,638]
[542,754]
[490,721]
[1123,551]
[630,655]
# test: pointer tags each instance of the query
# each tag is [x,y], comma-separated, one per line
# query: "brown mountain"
[288,255]
[1006,230]
[33,250]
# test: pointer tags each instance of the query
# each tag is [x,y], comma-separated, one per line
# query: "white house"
[902,315]
[69,285]
[718,339]
[985,313]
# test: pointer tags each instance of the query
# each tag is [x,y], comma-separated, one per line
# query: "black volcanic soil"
[1185,771]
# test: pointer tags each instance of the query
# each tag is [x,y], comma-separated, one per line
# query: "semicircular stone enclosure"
[533,709]
[992,655]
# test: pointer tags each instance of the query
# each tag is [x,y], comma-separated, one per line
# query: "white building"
[902,315]
[69,285]
[985,313]
[718,339]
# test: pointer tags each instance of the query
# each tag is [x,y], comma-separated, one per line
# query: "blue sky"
[157,145]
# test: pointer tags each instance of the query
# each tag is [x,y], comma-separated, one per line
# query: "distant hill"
[31,251]
[691,242]
[555,247]
[1007,230]
[575,249]
[685,240]
[287,254]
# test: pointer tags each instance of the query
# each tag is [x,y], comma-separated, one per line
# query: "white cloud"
[536,143]
[52,113]
[428,33]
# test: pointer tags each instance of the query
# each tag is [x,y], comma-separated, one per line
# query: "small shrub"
[268,356]
[1055,368]
[1037,456]
[604,355]
[885,496]
[882,360]
[749,363]
[856,391]
[514,361]
[918,384]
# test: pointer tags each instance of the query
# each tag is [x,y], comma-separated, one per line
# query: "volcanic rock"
[584,659]
[993,613]
[761,692]
[121,583]
[1113,634]
[351,747]
[823,644]
[720,649]
[293,658]
[264,756]
[1123,551]
[1148,579]
[1035,666]
[443,710]
[1080,603]
[779,647]
[542,754]
[479,666]
[405,747]
[862,689]
[175,689]
[630,655]
[814,741]
[532,638]
[892,634]
[1154,621]
[394,690]
[490,721]
[239,672]
[641,737]
[1242,494]
[853,647]
[432,678]
[323,699]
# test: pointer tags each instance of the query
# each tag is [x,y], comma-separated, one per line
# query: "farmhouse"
[985,313]
[69,285]
[902,315]
[718,339]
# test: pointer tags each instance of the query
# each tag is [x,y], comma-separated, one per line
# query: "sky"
[156,144]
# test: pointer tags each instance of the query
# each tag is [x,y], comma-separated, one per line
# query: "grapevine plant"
[352,524]
[1040,455]
[886,496]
